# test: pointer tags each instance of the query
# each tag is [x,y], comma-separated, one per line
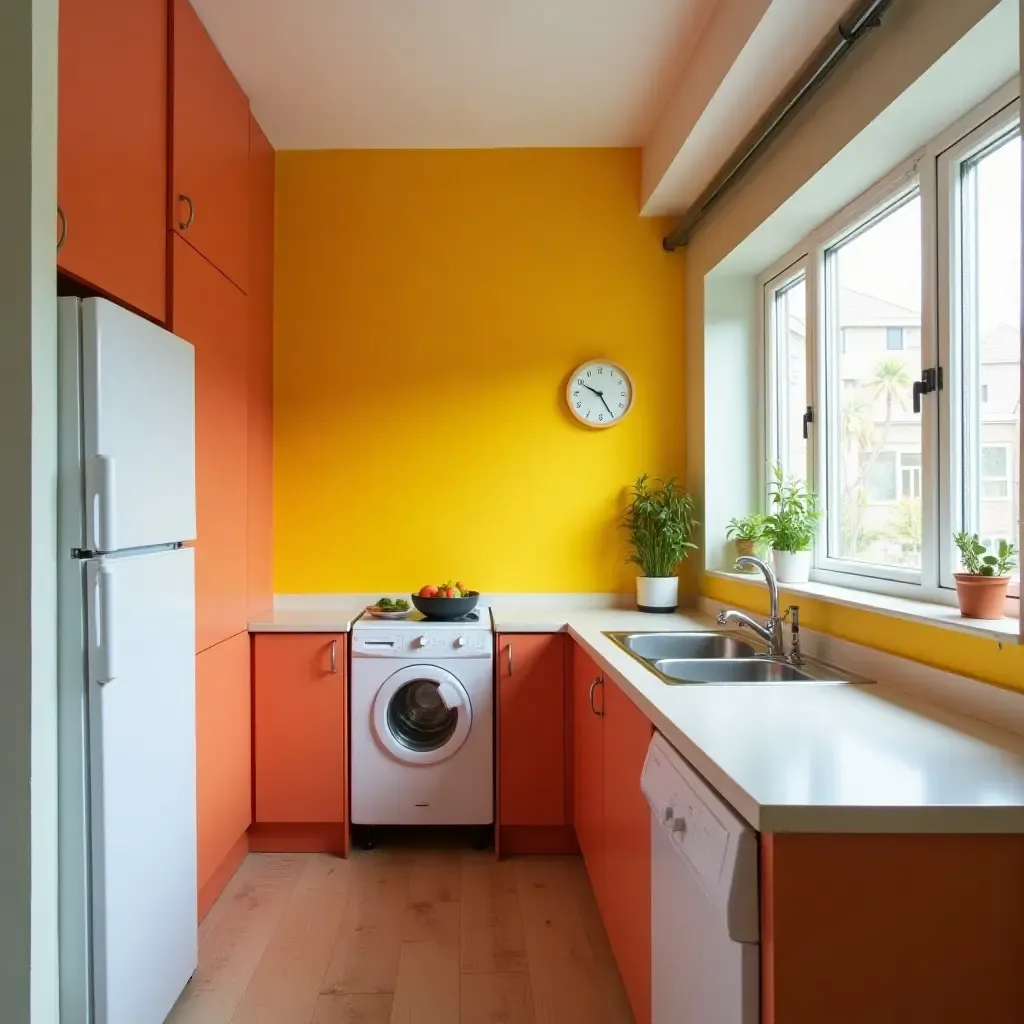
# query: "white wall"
[28,382]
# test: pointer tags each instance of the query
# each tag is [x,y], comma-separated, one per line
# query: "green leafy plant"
[793,523]
[750,527]
[978,562]
[660,521]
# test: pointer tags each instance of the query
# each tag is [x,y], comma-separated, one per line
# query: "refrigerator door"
[138,430]
[141,664]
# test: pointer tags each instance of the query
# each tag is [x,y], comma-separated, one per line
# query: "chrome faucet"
[771,631]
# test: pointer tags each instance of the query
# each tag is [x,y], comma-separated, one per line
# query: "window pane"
[990,338]
[873,297]
[790,341]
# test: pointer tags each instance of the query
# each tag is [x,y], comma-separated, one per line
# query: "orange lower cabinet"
[223,762]
[588,766]
[300,741]
[626,900]
[532,799]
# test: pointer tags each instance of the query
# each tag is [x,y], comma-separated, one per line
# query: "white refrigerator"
[126,494]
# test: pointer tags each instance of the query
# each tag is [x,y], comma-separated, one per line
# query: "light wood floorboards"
[404,937]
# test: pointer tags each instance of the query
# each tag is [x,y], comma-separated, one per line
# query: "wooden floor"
[406,936]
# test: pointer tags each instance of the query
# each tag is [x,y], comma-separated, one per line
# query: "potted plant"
[981,587]
[790,527]
[661,523]
[748,534]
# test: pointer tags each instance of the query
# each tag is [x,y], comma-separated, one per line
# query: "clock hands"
[600,394]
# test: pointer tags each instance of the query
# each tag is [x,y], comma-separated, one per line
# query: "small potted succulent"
[660,523]
[981,587]
[748,534]
[790,527]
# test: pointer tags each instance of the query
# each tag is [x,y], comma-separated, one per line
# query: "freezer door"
[141,644]
[138,430]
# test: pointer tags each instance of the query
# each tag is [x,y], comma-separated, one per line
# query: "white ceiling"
[455,73]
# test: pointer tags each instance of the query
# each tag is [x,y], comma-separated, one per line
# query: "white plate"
[371,611]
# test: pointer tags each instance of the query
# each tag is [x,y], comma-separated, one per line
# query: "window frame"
[922,172]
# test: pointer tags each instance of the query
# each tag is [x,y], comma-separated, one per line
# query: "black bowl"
[446,607]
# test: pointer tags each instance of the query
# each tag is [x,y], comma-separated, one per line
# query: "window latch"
[808,419]
[931,380]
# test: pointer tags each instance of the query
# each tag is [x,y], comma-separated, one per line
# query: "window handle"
[931,381]
[808,420]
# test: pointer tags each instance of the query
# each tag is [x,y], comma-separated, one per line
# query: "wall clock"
[599,393]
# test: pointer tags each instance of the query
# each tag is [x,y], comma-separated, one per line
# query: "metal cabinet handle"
[63,236]
[508,652]
[334,657]
[593,686]
[184,225]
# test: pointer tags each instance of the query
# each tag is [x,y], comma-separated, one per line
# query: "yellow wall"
[987,660]
[430,306]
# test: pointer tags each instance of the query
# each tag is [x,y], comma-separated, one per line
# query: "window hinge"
[808,419]
[931,380]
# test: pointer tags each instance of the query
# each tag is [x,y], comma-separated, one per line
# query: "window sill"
[1006,630]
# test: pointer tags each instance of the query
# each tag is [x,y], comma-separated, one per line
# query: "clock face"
[599,393]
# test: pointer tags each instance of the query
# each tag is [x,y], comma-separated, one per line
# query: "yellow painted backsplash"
[430,306]
[987,660]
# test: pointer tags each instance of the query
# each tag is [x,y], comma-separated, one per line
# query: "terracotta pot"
[748,547]
[981,597]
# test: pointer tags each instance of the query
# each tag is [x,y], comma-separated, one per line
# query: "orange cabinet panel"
[588,765]
[626,900]
[112,148]
[261,369]
[531,729]
[209,311]
[209,148]
[299,727]
[223,751]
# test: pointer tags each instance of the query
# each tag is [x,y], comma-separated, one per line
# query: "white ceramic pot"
[792,566]
[657,593]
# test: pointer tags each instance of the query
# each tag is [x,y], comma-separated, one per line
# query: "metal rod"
[823,62]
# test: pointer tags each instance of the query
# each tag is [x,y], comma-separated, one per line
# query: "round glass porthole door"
[422,714]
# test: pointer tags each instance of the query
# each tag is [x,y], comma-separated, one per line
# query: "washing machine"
[422,721]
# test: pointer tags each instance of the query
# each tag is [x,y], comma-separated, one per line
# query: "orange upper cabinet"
[209,311]
[261,368]
[531,730]
[588,765]
[209,149]
[299,728]
[112,148]
[626,903]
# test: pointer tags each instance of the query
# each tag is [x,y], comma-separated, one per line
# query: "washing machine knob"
[460,641]
[422,641]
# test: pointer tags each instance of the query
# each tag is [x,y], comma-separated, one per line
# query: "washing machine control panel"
[431,641]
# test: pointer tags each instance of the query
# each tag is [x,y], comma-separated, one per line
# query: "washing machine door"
[422,714]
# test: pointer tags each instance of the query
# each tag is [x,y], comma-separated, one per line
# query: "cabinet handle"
[334,657]
[184,225]
[593,687]
[508,652]
[63,236]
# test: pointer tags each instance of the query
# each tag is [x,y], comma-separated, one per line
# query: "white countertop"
[805,758]
[312,618]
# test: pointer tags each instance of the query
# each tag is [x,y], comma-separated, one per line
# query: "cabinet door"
[209,148]
[223,751]
[209,311]
[261,369]
[112,148]
[588,765]
[626,904]
[299,727]
[531,729]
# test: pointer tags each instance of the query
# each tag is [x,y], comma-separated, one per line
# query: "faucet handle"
[722,618]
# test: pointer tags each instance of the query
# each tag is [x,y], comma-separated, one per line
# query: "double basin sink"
[720,657]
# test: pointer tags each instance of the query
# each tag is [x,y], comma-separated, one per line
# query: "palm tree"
[891,381]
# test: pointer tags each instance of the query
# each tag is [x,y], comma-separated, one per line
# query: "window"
[917,278]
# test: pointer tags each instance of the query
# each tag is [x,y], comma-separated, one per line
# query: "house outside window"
[894,339]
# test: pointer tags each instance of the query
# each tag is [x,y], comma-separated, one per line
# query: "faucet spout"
[771,631]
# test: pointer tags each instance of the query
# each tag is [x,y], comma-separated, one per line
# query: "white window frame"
[922,172]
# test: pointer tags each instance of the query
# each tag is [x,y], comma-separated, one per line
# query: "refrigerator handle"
[104,521]
[104,617]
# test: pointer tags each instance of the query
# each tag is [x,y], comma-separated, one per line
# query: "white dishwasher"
[705,956]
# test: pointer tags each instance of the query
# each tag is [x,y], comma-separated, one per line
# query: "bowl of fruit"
[390,608]
[449,601]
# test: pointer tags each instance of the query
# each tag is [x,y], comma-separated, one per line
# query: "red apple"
[429,591]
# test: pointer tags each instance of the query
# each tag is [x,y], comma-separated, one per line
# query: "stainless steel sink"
[654,647]
[736,670]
